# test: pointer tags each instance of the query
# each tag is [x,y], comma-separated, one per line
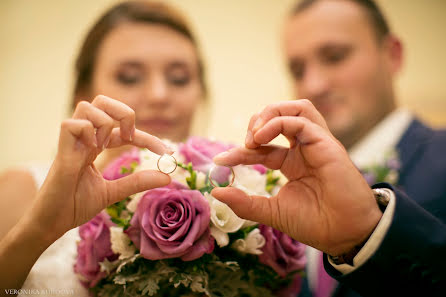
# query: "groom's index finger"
[271,156]
[298,108]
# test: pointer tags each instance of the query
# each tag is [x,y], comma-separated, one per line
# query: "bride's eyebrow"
[180,65]
[130,64]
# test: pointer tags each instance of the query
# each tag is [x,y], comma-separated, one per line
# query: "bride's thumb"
[253,208]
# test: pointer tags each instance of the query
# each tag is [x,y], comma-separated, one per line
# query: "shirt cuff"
[373,242]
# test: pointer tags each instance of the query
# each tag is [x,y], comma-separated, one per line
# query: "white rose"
[222,238]
[133,204]
[252,243]
[250,181]
[180,175]
[201,180]
[120,243]
[149,161]
[248,223]
[223,219]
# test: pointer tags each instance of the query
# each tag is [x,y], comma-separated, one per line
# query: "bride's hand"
[326,203]
[74,190]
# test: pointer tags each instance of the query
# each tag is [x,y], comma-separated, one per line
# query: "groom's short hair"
[374,13]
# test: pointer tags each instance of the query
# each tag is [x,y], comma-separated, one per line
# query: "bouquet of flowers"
[180,241]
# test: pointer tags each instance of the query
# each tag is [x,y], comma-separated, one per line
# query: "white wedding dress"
[52,275]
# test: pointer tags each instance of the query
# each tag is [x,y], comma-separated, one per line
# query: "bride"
[145,55]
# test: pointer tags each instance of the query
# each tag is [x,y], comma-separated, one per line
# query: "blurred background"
[241,42]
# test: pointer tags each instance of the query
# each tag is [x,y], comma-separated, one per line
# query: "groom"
[343,57]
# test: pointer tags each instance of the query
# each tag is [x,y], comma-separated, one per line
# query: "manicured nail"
[132,134]
[218,158]
[170,149]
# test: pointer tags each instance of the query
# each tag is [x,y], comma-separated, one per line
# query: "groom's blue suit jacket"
[411,261]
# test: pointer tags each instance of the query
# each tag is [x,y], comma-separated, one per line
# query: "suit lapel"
[411,143]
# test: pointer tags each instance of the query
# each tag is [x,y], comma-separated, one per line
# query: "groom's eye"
[335,54]
[297,70]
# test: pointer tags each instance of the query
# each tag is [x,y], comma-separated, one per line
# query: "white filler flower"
[223,219]
[120,243]
[252,243]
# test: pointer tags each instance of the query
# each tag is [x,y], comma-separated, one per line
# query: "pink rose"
[200,152]
[93,248]
[114,170]
[260,168]
[171,223]
[293,289]
[281,252]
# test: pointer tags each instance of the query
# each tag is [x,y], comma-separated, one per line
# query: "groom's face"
[337,62]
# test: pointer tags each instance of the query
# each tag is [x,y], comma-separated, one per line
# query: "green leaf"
[271,180]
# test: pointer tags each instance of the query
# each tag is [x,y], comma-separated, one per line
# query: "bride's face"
[154,70]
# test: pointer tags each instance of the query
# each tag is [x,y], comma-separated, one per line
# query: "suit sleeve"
[411,260]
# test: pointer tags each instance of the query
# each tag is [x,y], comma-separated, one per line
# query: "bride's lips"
[156,124]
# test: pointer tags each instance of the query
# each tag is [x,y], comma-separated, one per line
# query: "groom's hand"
[325,203]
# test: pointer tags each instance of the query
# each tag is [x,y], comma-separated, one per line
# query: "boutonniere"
[386,171]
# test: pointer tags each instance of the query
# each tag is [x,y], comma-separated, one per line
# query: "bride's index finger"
[119,112]
[141,139]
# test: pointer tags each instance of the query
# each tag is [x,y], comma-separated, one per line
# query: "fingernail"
[249,138]
[218,158]
[170,149]
[132,134]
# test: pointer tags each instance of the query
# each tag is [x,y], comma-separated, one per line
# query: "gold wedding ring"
[169,156]
[216,186]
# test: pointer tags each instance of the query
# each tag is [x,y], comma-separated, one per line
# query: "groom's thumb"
[254,208]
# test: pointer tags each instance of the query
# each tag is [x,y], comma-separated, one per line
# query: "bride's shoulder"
[30,174]
[18,187]
[16,176]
